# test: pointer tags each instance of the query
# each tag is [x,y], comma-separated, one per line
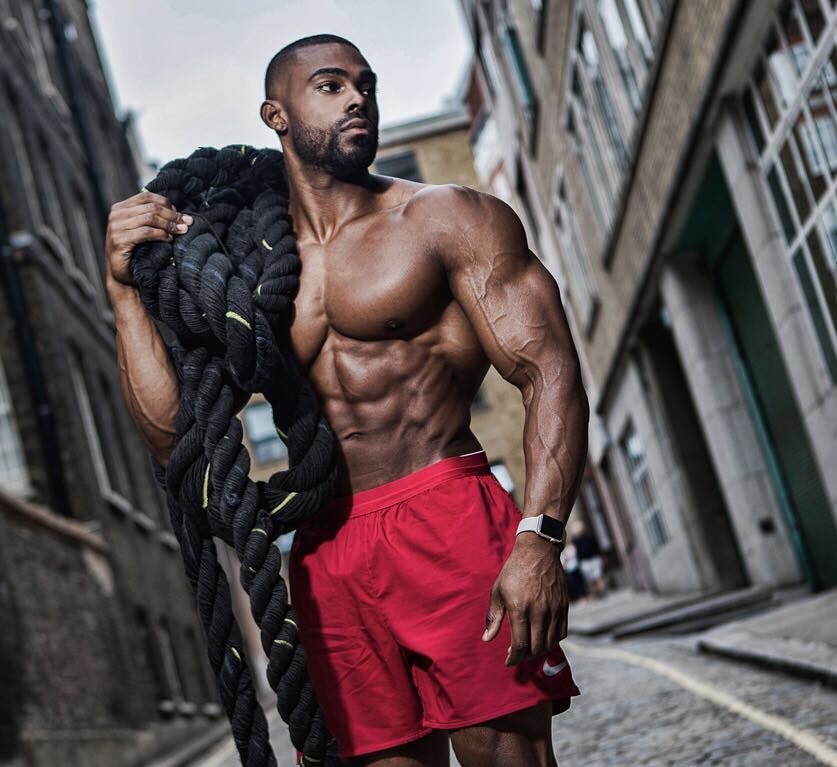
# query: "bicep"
[515,308]
[509,297]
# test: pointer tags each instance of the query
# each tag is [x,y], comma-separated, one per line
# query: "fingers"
[130,225]
[538,633]
[553,630]
[165,219]
[494,618]
[520,637]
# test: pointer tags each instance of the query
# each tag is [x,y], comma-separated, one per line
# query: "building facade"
[101,656]
[674,165]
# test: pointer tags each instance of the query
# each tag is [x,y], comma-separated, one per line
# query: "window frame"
[15,479]
[636,471]
[775,149]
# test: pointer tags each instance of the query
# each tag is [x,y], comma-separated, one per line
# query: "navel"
[394,323]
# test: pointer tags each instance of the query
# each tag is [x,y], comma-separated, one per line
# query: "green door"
[775,411]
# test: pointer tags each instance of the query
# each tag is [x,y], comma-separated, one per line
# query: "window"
[117,458]
[594,507]
[582,288]
[610,60]
[400,165]
[151,651]
[539,17]
[590,157]
[14,477]
[618,39]
[262,433]
[88,422]
[529,220]
[524,90]
[48,192]
[32,25]
[88,257]
[790,110]
[170,670]
[589,52]
[26,179]
[649,510]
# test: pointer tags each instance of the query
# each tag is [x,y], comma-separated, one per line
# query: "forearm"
[147,377]
[554,438]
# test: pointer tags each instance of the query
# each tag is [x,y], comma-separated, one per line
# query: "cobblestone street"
[630,715]
[633,715]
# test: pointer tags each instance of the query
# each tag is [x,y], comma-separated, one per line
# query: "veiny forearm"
[148,380]
[554,438]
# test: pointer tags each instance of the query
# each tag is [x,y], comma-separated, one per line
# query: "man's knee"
[524,737]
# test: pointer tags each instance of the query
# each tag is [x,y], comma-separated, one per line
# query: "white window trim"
[634,474]
[18,482]
[784,133]
[582,283]
[88,422]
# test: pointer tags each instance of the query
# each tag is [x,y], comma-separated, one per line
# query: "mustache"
[347,120]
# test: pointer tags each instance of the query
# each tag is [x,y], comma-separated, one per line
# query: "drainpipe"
[44,414]
[62,32]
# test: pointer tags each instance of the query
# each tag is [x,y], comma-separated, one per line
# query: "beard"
[323,149]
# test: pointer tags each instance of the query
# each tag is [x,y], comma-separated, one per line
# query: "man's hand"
[144,217]
[532,590]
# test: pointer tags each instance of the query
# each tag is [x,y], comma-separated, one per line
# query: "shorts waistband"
[377,498]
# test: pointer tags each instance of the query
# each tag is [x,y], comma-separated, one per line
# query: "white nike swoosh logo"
[551,670]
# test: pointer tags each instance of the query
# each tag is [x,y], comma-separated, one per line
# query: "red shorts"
[391,587]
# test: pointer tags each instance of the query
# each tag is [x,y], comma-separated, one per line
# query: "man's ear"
[273,115]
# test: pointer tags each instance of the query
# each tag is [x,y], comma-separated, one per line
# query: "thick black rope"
[226,288]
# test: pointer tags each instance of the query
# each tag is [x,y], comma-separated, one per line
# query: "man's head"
[320,99]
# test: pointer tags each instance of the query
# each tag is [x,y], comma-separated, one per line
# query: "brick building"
[101,654]
[674,165]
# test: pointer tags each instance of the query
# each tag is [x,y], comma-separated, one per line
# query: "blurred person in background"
[576,585]
[589,557]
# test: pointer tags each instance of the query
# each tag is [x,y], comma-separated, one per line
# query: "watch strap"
[545,526]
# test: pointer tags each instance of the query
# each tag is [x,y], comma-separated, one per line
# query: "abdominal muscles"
[396,405]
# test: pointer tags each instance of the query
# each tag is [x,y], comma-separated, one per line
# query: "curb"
[607,625]
[799,667]
[193,748]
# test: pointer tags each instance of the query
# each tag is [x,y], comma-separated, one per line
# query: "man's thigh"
[521,738]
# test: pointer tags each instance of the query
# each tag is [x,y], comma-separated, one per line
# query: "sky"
[193,72]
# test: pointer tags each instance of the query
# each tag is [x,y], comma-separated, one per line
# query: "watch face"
[552,527]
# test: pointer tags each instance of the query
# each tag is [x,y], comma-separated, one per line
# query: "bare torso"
[390,352]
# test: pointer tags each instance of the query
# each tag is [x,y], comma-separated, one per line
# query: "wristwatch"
[545,526]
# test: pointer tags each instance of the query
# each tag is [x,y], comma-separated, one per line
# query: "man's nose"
[357,101]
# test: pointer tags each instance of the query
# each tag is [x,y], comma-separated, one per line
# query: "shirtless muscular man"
[408,293]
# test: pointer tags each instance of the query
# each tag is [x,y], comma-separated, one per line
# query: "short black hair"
[281,58]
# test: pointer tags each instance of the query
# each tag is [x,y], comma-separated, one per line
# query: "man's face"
[332,109]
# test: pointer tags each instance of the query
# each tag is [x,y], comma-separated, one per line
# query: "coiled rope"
[225,288]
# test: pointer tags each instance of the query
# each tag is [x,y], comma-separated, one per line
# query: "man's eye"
[329,87]
[369,90]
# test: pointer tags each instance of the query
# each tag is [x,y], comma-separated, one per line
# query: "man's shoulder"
[452,199]
[464,221]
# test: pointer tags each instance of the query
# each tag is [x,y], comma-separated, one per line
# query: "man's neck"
[320,204]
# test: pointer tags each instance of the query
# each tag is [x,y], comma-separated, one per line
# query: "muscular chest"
[373,286]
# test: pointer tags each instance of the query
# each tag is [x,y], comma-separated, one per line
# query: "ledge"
[43,517]
[168,540]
